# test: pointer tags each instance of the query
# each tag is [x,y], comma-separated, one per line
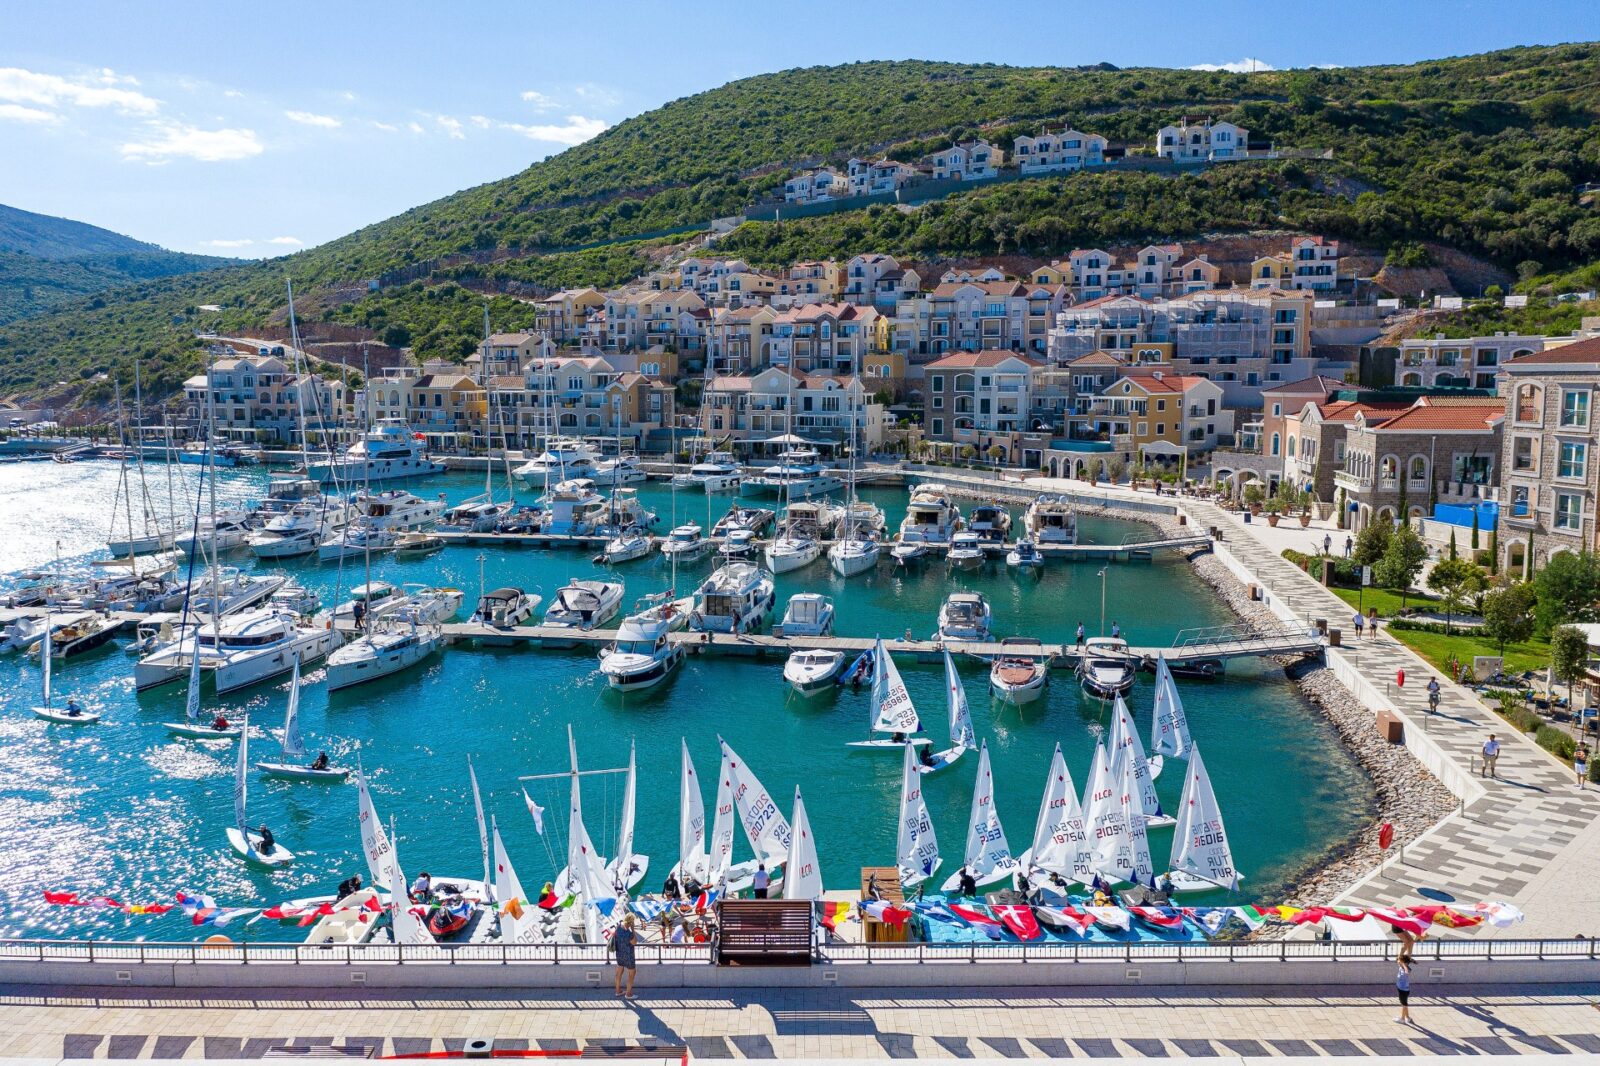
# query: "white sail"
[802,877]
[961,734]
[917,850]
[1199,842]
[1107,821]
[483,831]
[44,648]
[293,746]
[691,816]
[1169,728]
[622,862]
[892,711]
[507,887]
[720,853]
[1125,740]
[408,928]
[374,841]
[1138,839]
[987,851]
[585,873]
[764,825]
[240,775]
[191,710]
[1060,841]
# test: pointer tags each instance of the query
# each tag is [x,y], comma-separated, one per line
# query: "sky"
[257,130]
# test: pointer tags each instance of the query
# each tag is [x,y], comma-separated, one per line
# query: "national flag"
[1442,915]
[885,911]
[1209,919]
[535,811]
[937,911]
[650,909]
[1500,915]
[1345,914]
[1306,916]
[1067,915]
[148,908]
[62,899]
[705,899]
[834,911]
[1253,918]
[976,917]
[1407,923]
[512,907]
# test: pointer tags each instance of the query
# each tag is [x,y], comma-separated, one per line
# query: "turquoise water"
[122,809]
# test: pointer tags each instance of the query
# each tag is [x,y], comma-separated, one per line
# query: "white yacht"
[424,604]
[805,524]
[397,509]
[390,646]
[991,522]
[626,546]
[931,519]
[1025,557]
[1051,520]
[856,554]
[814,670]
[624,510]
[909,548]
[1106,668]
[387,450]
[239,651]
[234,590]
[585,605]
[505,608]
[966,551]
[752,519]
[564,458]
[366,603]
[865,517]
[809,614]
[717,472]
[798,473]
[685,544]
[357,538]
[479,514]
[736,598]
[791,551]
[964,616]
[623,470]
[643,653]
[740,544]
[1021,673]
[574,508]
[230,529]
[417,543]
[293,596]
[301,530]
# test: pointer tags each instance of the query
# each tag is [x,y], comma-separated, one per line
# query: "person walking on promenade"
[1349,547]
[1359,620]
[1491,756]
[1580,763]
[1402,988]
[1372,622]
[1327,544]
[622,942]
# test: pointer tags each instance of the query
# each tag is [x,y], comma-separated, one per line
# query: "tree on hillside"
[1455,580]
[1566,590]
[1401,562]
[1372,542]
[1569,652]
[1508,614]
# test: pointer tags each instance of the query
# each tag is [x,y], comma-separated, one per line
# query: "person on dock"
[1491,756]
[967,885]
[1116,631]
[669,888]
[622,942]
[1359,620]
[761,881]
[1080,634]
[1402,987]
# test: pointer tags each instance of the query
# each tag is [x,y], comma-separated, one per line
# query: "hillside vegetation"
[1482,153]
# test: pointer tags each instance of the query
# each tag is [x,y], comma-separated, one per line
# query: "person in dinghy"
[220,724]
[321,761]
[74,708]
[268,843]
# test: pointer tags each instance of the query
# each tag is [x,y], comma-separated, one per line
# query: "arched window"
[1274,444]
[1419,468]
[394,397]
[1530,403]
[1291,447]
[1388,468]
[1411,379]
[963,382]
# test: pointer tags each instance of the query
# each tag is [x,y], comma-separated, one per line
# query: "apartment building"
[997,313]
[737,339]
[779,401]
[1440,449]
[810,186]
[819,338]
[1067,149]
[862,273]
[562,316]
[508,353]
[1315,263]
[1281,403]
[811,281]
[1549,495]
[1205,142]
[1156,415]
[639,319]
[967,161]
[1465,362]
[979,392]
[448,409]
[256,400]
[871,178]
[1312,442]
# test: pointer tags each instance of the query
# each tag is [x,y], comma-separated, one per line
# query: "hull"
[888,744]
[853,563]
[153,542]
[688,553]
[56,714]
[373,470]
[248,848]
[635,680]
[1020,692]
[783,562]
[1188,883]
[307,647]
[203,732]
[359,670]
[966,562]
[284,547]
[292,772]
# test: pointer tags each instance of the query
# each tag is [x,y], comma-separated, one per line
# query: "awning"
[1161,447]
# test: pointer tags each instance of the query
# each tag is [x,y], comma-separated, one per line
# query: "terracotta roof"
[1421,419]
[1584,351]
[1346,411]
[508,381]
[1099,357]
[1166,382]
[1309,384]
[972,360]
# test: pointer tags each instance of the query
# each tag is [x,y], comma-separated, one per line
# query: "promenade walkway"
[821,1023]
[1530,837]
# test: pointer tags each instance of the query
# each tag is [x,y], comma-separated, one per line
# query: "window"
[1277,410]
[1419,468]
[1569,510]
[1573,455]
[1528,403]
[1524,457]
[938,427]
[937,383]
[1574,408]
[1519,501]
[1274,444]
[938,403]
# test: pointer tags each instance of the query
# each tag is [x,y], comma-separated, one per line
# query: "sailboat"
[962,739]
[383,865]
[626,867]
[71,714]
[857,552]
[1201,858]
[693,860]
[1125,744]
[1138,848]
[892,710]
[520,921]
[765,829]
[804,880]
[1107,821]
[1061,854]
[1169,727]
[988,856]
[246,842]
[917,846]
[572,880]
[294,746]
[192,726]
[585,874]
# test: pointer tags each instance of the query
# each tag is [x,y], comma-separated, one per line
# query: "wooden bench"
[764,932]
[886,879]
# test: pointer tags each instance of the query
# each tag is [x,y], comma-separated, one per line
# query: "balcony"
[1344,479]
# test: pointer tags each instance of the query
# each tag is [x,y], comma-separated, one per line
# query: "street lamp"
[1103,570]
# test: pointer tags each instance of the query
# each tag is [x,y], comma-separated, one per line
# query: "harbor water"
[122,809]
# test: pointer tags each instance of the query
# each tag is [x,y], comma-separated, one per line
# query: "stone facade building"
[1438,450]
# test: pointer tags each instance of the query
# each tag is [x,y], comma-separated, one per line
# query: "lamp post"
[1103,570]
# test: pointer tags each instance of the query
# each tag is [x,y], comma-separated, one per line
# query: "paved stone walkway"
[1530,837]
[831,1023]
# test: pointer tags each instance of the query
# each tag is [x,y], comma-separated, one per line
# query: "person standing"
[761,881]
[623,942]
[1349,547]
[1402,988]
[1359,620]
[1580,763]
[1491,756]
[1327,544]
[1080,634]
[1372,622]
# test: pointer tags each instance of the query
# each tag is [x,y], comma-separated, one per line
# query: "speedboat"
[798,474]
[1020,674]
[25,632]
[477,515]
[809,614]
[1106,669]
[626,546]
[79,637]
[574,508]
[1025,557]
[388,647]
[740,544]
[685,544]
[930,516]
[990,522]
[643,654]
[397,510]
[505,608]
[964,616]
[357,538]
[754,520]
[284,494]
[736,598]
[388,450]
[717,472]
[909,548]
[562,459]
[813,670]
[417,543]
[1051,520]
[240,650]
[584,605]
[623,470]
[966,551]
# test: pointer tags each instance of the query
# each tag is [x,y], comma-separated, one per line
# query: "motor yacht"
[85,634]
[1025,556]
[755,520]
[479,514]
[229,530]
[624,510]
[685,544]
[908,548]
[398,510]
[990,522]
[964,616]
[564,458]
[809,614]
[814,670]
[234,590]
[1106,669]
[930,516]
[966,551]
[574,509]
[239,651]
[1022,671]
[584,605]
[424,604]
[505,608]
[356,539]
[740,544]
[736,598]
[417,543]
[1051,520]
[717,472]
[622,470]
[387,450]
[366,603]
[293,596]
[798,474]
[301,530]
[643,654]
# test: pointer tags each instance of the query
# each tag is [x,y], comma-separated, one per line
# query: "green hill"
[49,237]
[1483,153]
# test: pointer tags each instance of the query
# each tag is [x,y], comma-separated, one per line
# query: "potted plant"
[1274,508]
[1254,496]
[1303,499]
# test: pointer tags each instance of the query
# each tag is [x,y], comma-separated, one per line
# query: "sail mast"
[692,815]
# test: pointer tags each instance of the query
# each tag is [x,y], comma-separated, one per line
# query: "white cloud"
[19,86]
[171,140]
[348,97]
[452,126]
[597,95]
[480,121]
[18,113]
[311,118]
[243,242]
[232,94]
[577,130]
[293,241]
[540,101]
[386,127]
[1241,66]
[111,77]
[414,127]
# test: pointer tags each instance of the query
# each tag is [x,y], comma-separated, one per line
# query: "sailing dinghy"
[988,856]
[1061,854]
[693,861]
[961,736]
[1125,743]
[294,747]
[71,714]
[1201,858]
[627,867]
[246,842]
[892,710]
[917,847]
[1169,727]
[192,726]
